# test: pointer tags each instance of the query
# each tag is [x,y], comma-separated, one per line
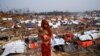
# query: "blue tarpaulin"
[30,25]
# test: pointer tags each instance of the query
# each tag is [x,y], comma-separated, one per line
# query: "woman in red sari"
[45,34]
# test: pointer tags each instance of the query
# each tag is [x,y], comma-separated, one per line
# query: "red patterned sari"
[46,39]
[46,46]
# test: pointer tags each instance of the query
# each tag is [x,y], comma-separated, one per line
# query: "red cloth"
[46,49]
[46,46]
[85,43]
[69,37]
[32,45]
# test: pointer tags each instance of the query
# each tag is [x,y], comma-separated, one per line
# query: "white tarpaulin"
[22,21]
[58,23]
[9,18]
[53,19]
[90,32]
[39,22]
[50,24]
[27,21]
[85,37]
[93,31]
[76,34]
[97,24]
[4,29]
[4,18]
[33,36]
[55,26]
[14,47]
[57,41]
[33,21]
[95,35]
[75,21]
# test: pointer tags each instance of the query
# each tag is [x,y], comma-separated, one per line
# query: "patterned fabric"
[46,45]
[46,39]
[46,49]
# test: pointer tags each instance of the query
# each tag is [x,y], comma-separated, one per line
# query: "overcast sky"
[51,5]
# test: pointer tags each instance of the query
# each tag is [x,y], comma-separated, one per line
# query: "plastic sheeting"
[90,32]
[4,18]
[27,21]
[75,21]
[9,18]
[85,37]
[14,47]
[57,41]
[95,35]
[55,26]
[33,21]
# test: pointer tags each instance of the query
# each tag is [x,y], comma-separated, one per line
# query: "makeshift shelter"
[57,41]
[27,21]
[85,37]
[4,18]
[9,18]
[95,35]
[75,21]
[14,47]
[90,32]
[33,21]
[85,41]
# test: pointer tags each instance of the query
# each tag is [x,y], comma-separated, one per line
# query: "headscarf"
[45,22]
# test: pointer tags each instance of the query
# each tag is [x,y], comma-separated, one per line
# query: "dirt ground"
[84,52]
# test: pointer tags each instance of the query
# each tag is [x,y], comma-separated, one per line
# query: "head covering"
[47,28]
[44,22]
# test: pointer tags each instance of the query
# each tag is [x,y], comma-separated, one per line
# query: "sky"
[50,5]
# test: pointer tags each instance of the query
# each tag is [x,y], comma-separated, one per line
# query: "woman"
[68,37]
[45,34]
